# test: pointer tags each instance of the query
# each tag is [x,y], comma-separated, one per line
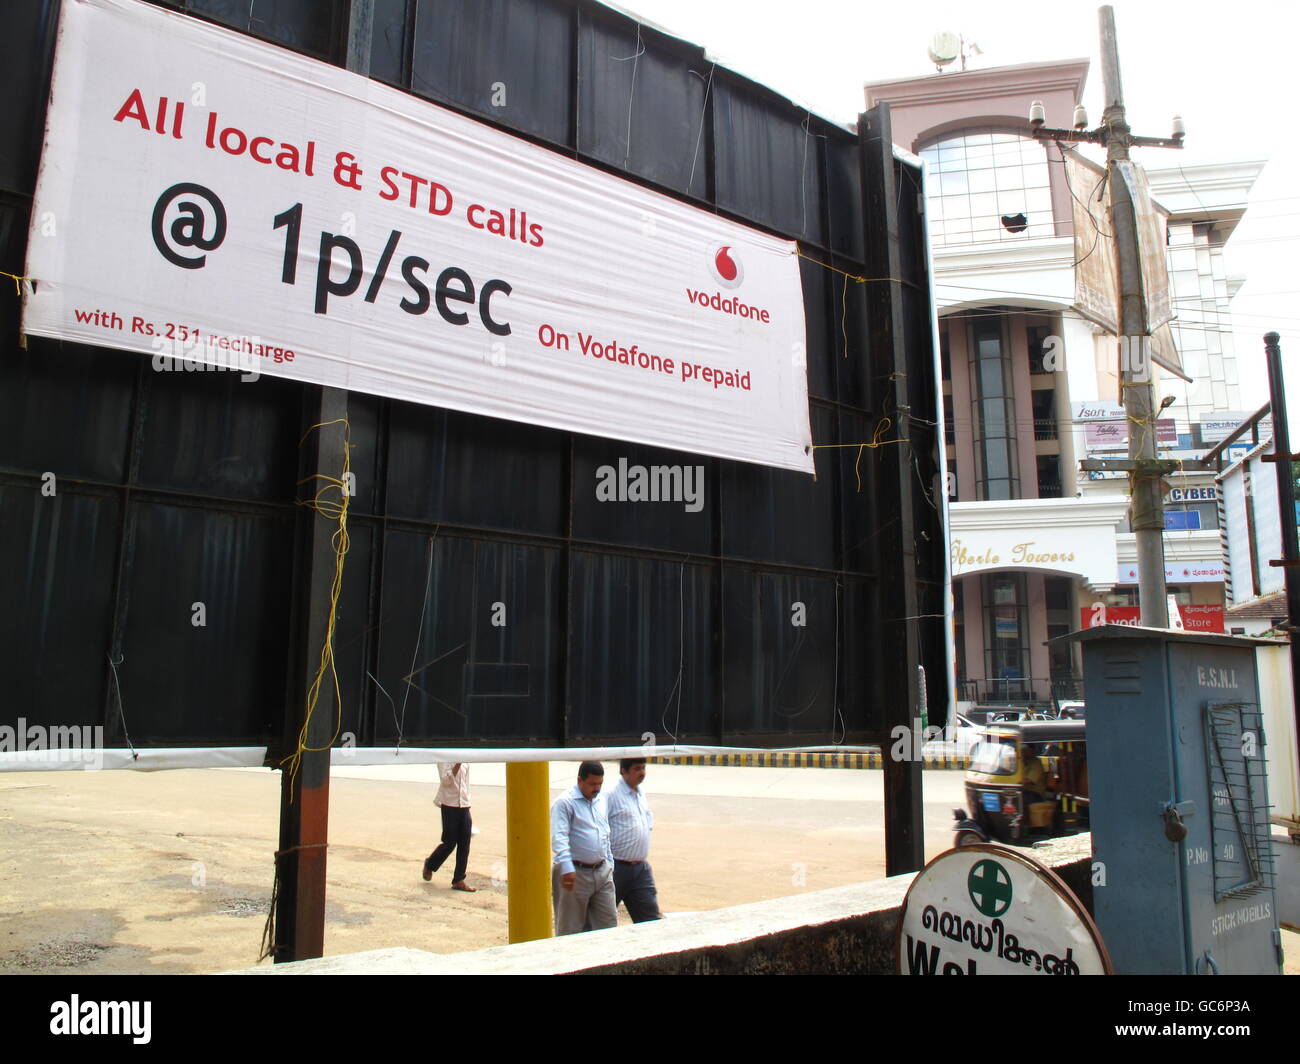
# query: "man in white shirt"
[453,796]
[582,878]
[630,824]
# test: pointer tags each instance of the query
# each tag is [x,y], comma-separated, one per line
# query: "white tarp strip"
[254,756]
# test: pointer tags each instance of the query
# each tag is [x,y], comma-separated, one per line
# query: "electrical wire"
[1097,190]
[121,709]
[681,657]
[635,59]
[704,110]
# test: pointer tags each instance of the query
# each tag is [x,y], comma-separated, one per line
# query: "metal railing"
[1006,691]
[1045,428]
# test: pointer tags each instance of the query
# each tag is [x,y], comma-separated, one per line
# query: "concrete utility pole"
[1146,505]
[1147,472]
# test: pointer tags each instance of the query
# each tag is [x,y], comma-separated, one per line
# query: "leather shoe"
[427,874]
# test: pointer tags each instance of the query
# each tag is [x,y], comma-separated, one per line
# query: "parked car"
[959,739]
[987,714]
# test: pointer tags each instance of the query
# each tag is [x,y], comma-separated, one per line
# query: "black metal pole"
[1286,506]
[899,647]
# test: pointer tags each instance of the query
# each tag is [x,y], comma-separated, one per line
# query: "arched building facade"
[1031,387]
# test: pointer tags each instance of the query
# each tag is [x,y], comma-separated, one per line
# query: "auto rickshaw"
[1026,781]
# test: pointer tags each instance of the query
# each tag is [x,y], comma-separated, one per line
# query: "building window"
[1036,337]
[1191,516]
[994,410]
[959,628]
[1058,597]
[1049,477]
[988,187]
[1044,401]
[1005,608]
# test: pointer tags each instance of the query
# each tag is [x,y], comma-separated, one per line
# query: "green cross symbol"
[989,887]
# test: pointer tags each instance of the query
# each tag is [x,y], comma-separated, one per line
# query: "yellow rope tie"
[1147,425]
[844,295]
[845,273]
[18,280]
[881,427]
[334,511]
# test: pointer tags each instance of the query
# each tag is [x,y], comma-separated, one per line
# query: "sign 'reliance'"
[989,910]
[209,198]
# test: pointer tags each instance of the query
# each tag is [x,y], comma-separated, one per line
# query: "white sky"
[1230,69]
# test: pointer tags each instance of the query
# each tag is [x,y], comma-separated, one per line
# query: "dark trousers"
[634,886]
[455,836]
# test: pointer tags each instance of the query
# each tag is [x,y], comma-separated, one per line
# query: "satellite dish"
[944,48]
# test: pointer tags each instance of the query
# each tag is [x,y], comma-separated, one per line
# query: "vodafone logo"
[729,272]
[726,266]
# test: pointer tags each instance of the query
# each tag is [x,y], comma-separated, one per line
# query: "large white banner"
[206,196]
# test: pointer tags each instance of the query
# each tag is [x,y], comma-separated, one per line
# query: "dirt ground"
[170,872]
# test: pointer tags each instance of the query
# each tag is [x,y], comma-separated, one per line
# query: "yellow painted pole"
[528,849]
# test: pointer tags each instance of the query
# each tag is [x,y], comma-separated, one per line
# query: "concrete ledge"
[842,931]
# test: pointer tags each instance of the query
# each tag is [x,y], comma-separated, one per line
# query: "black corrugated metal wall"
[622,619]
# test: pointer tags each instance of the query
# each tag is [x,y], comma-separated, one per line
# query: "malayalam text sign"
[208,197]
[987,910]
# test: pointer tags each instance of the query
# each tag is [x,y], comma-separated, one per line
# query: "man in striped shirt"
[630,824]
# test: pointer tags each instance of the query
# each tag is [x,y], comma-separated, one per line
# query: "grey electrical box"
[1183,869]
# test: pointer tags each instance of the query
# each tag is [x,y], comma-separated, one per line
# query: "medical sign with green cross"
[989,887]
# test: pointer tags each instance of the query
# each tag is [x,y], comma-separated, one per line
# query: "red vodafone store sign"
[1195,618]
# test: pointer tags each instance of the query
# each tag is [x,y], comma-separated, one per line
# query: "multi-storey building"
[1031,386]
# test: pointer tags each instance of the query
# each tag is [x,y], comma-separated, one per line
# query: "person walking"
[582,877]
[630,824]
[457,828]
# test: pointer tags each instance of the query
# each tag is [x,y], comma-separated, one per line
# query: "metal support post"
[899,651]
[528,849]
[304,790]
[1286,506]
